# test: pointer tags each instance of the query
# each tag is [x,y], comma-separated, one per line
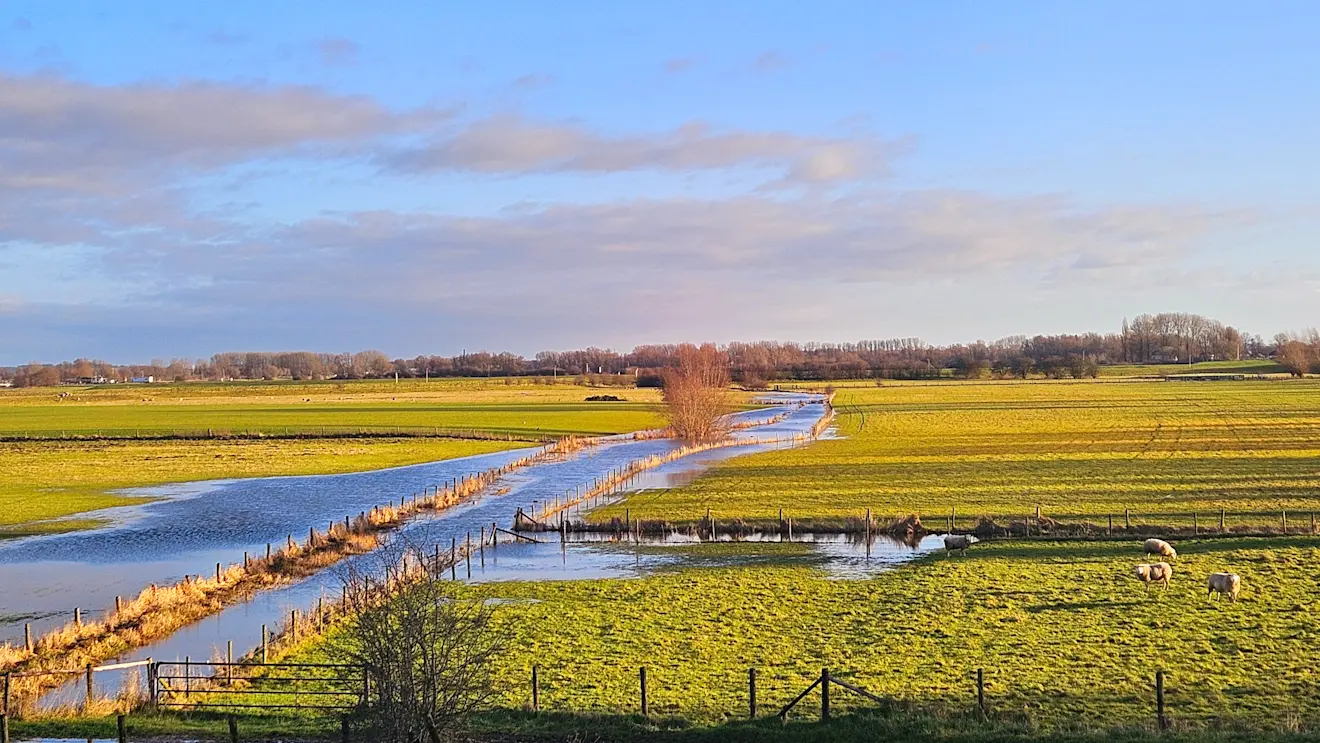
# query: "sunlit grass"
[1000,450]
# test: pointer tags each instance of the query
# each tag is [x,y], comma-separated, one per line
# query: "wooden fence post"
[1110,529]
[27,637]
[4,727]
[265,644]
[1196,527]
[536,689]
[5,708]
[645,706]
[233,729]
[343,730]
[1159,701]
[825,695]
[1127,519]
[77,616]
[1285,522]
[751,693]
[1221,519]
[980,692]
[121,727]
[91,691]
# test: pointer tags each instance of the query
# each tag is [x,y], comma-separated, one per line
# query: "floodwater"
[196,525]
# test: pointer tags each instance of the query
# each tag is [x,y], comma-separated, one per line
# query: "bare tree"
[697,394]
[1295,357]
[427,651]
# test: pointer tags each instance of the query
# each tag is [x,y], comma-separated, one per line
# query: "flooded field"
[200,524]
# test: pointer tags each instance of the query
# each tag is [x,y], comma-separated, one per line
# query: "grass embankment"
[43,480]
[1068,639]
[1075,450]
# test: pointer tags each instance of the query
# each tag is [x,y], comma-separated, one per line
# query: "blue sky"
[183,178]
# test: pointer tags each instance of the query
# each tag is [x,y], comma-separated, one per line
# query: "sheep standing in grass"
[958,542]
[1226,584]
[1161,548]
[1160,572]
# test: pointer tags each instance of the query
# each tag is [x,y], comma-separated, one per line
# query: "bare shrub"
[427,651]
[696,394]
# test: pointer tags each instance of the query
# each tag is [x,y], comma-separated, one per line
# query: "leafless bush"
[427,651]
[697,395]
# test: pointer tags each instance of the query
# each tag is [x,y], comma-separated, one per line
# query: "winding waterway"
[193,526]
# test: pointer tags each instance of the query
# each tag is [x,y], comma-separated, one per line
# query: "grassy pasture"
[1068,640]
[1084,450]
[519,409]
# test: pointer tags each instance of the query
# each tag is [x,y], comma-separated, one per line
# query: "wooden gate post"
[825,695]
[122,728]
[751,693]
[233,729]
[4,727]
[5,709]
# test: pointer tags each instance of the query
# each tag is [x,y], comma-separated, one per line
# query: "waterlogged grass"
[48,480]
[1000,450]
[287,408]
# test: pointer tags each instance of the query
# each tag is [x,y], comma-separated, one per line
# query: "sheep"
[1161,548]
[1227,584]
[958,542]
[1160,572]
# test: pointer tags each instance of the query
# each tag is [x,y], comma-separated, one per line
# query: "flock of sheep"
[1223,584]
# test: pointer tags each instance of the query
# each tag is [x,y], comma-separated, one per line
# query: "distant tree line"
[1165,338]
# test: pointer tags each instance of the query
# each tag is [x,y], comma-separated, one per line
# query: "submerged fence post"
[1159,701]
[265,644]
[825,695]
[27,636]
[751,693]
[91,691]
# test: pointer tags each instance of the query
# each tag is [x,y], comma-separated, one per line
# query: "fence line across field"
[250,685]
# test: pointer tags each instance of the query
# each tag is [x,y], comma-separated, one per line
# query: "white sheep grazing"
[1161,548]
[958,542]
[1160,572]
[1227,584]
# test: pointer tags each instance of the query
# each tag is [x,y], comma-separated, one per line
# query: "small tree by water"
[427,651]
[697,394]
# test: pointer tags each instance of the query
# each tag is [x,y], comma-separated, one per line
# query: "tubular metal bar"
[200,705]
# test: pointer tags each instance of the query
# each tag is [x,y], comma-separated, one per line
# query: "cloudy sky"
[183,178]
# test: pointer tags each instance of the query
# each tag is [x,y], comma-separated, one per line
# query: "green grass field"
[43,480]
[1000,450]
[314,407]
[1067,638]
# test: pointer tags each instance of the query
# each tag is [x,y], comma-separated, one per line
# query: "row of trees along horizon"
[1164,338]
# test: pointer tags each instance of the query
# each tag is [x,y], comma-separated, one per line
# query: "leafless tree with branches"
[697,394]
[427,651]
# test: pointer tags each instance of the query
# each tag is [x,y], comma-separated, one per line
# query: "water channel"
[193,526]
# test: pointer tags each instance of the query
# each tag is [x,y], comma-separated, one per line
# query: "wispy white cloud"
[508,144]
